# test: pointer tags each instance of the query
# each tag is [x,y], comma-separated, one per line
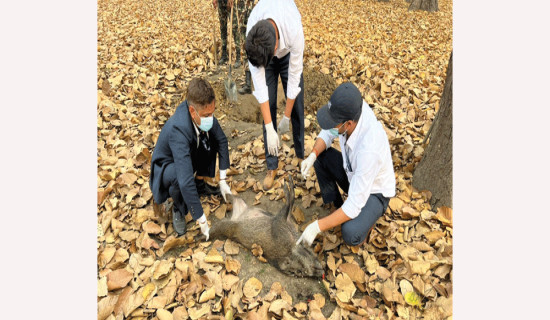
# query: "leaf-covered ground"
[147,53]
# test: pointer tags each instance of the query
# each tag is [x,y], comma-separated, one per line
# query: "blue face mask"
[206,123]
[334,131]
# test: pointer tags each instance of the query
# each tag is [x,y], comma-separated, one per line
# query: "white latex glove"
[224,189]
[307,164]
[309,233]
[203,224]
[272,140]
[283,125]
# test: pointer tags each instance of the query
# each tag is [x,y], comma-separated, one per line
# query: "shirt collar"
[282,43]
[353,140]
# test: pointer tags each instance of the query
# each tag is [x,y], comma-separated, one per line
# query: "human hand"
[224,188]
[307,164]
[309,233]
[272,140]
[203,224]
[283,125]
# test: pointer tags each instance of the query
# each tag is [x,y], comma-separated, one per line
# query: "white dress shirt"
[370,167]
[223,173]
[286,16]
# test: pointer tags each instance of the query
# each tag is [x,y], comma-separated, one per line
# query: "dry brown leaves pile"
[147,53]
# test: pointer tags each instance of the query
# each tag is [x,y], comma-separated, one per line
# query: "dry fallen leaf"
[162,268]
[208,294]
[102,287]
[164,315]
[172,242]
[151,227]
[231,247]
[195,313]
[345,287]
[118,279]
[220,212]
[252,287]
[214,256]
[298,215]
[232,265]
[353,271]
[142,79]
[278,306]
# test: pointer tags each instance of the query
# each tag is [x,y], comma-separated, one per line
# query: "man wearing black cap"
[363,169]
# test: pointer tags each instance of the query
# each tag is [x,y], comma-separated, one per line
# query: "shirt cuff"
[223,174]
[293,92]
[327,138]
[349,210]
[202,219]
[261,94]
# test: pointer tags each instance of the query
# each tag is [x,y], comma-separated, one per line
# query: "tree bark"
[426,5]
[435,171]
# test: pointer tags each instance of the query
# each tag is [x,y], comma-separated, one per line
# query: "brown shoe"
[269,178]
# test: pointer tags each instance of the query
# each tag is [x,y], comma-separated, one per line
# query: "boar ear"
[239,206]
[289,193]
[289,197]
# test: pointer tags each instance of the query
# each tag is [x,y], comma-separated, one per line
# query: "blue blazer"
[177,143]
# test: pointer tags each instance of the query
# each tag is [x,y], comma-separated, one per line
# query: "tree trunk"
[426,5]
[435,171]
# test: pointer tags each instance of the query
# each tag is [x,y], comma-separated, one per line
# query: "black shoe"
[204,189]
[247,88]
[178,221]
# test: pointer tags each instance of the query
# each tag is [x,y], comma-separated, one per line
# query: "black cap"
[344,104]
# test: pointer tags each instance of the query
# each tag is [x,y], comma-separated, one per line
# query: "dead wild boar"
[276,234]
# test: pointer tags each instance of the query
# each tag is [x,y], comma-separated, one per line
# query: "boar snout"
[302,262]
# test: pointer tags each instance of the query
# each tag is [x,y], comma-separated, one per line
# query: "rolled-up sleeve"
[296,63]
[361,183]
[327,137]
[260,88]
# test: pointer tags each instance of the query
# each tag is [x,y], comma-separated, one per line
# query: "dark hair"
[200,93]
[260,43]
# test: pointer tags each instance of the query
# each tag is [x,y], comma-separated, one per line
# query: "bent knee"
[352,238]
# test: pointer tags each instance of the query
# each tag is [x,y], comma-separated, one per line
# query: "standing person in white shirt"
[275,47]
[363,169]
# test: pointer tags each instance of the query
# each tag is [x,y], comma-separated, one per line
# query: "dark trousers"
[279,67]
[331,174]
[224,14]
[205,166]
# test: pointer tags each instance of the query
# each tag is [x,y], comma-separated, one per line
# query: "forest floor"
[149,51]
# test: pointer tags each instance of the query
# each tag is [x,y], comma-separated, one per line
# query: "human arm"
[318,148]
[295,68]
[313,229]
[361,183]
[324,139]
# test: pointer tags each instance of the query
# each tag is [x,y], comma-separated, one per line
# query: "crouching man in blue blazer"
[186,152]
